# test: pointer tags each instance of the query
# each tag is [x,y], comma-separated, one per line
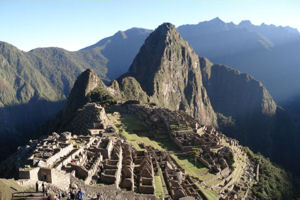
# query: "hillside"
[173,76]
[35,84]
[126,149]
[33,88]
[167,69]
[266,52]
[41,79]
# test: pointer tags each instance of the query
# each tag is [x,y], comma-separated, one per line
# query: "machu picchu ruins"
[104,160]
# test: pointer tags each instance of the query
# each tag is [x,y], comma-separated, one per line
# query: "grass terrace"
[136,132]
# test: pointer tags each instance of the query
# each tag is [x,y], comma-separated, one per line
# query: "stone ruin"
[103,158]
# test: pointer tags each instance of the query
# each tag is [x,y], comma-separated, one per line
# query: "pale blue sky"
[74,24]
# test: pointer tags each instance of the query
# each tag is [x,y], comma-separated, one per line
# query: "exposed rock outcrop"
[167,69]
[235,94]
[85,83]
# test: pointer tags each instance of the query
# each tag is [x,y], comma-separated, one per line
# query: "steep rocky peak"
[165,43]
[85,83]
[167,69]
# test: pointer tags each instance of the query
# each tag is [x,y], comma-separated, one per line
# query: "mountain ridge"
[164,58]
[62,75]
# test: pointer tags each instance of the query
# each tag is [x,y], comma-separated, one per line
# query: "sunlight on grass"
[189,167]
[158,187]
[209,194]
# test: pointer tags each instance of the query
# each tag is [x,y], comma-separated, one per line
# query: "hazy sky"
[74,24]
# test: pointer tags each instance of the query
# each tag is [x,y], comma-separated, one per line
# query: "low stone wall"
[29,173]
[109,192]
[69,159]
[118,173]
[63,152]
[224,173]
[80,171]
[45,174]
[106,152]
[204,162]
[92,171]
[146,189]
[60,179]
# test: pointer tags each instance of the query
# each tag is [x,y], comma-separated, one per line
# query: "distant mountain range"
[168,73]
[267,52]
[34,84]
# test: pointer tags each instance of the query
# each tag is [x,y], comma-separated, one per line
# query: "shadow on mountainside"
[19,123]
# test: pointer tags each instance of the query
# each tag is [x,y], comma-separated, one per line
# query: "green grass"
[9,186]
[209,194]
[189,167]
[136,132]
[158,187]
[135,140]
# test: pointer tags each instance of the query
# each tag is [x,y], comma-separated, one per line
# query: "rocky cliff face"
[235,94]
[257,121]
[85,83]
[168,70]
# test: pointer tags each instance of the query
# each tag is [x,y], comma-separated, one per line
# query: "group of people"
[44,188]
[72,195]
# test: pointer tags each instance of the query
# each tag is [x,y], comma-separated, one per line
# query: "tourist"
[37,186]
[69,195]
[58,195]
[43,189]
[47,189]
[99,196]
[80,195]
[73,195]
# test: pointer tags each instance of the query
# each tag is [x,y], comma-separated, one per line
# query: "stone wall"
[45,174]
[118,173]
[109,192]
[106,151]
[60,179]
[69,159]
[92,171]
[29,174]
[63,152]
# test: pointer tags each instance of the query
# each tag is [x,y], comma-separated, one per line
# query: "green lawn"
[189,167]
[209,194]
[158,187]
[136,132]
[9,186]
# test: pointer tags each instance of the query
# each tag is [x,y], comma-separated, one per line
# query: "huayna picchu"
[153,134]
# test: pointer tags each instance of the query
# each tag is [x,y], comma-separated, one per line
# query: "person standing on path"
[37,186]
[43,188]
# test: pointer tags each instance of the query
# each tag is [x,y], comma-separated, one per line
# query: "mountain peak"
[165,27]
[85,83]
[245,23]
[148,60]
[163,31]
[217,20]
[167,69]
[121,34]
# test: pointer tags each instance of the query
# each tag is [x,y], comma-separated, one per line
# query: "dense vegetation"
[101,96]
[274,182]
